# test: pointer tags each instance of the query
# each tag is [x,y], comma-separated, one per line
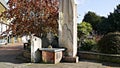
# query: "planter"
[51,55]
[99,56]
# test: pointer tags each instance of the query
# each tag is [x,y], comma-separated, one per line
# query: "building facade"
[4,26]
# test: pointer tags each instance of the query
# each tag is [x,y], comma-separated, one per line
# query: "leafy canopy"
[104,25]
[32,16]
[93,19]
[84,29]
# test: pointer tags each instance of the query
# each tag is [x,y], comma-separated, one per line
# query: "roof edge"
[4,3]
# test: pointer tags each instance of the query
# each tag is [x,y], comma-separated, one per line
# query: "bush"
[87,45]
[110,43]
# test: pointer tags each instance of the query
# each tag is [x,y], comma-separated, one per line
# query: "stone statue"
[68,26]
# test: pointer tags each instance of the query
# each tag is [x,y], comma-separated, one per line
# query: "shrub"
[110,43]
[87,45]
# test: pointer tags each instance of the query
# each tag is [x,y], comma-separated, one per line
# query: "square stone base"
[51,57]
[70,59]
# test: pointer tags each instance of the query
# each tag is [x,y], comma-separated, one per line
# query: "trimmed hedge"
[110,43]
[87,45]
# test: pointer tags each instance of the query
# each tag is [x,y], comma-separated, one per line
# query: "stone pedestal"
[51,55]
[68,28]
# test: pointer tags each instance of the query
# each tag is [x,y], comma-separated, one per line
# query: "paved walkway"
[8,54]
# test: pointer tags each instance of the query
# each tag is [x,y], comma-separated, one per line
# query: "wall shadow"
[11,54]
[103,63]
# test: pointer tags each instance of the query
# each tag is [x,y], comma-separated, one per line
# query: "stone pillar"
[13,40]
[36,43]
[68,28]
[19,39]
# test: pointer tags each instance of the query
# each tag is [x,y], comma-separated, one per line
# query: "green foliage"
[110,43]
[87,45]
[84,29]
[103,25]
[93,19]
[111,23]
[114,20]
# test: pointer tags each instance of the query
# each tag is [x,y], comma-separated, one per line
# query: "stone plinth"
[51,55]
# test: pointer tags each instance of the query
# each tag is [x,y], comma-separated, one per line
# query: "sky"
[6,0]
[100,7]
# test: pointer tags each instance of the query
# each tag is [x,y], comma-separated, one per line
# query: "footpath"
[10,52]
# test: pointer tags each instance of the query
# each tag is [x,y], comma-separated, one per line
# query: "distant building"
[4,26]
[3,23]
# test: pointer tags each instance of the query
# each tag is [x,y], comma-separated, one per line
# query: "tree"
[84,29]
[110,24]
[93,19]
[32,16]
[114,20]
[102,26]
